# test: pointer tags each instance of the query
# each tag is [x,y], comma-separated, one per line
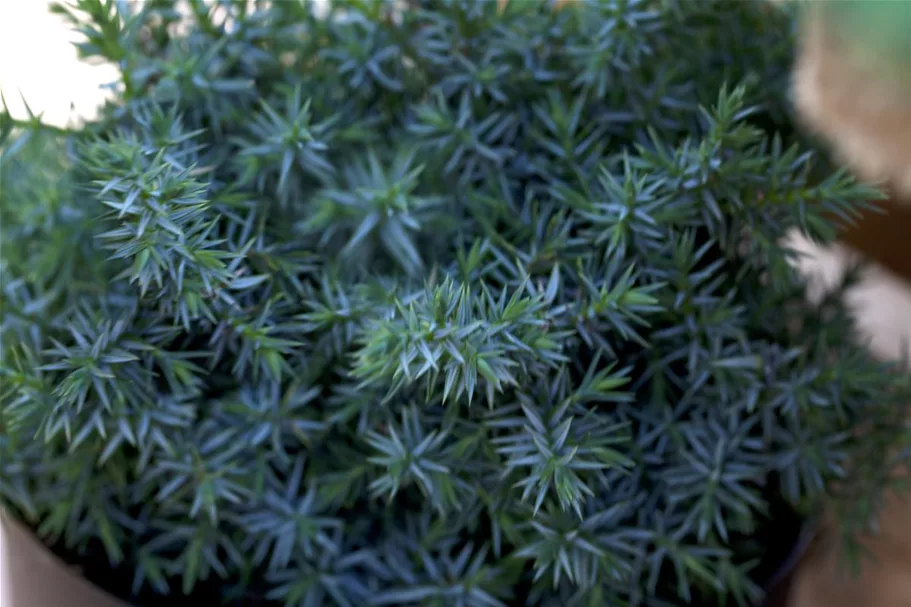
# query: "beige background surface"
[32,577]
[37,59]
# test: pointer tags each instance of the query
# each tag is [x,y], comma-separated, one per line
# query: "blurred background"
[37,59]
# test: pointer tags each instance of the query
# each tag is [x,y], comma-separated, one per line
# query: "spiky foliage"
[471,304]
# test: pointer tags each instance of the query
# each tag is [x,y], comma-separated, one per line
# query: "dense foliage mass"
[472,304]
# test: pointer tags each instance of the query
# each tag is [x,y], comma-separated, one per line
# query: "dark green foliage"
[457,306]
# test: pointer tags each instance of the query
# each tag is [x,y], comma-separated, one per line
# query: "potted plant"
[471,303]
